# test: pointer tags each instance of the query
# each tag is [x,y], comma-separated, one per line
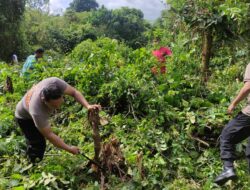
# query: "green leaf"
[18,188]
[13,182]
[16,176]
[26,168]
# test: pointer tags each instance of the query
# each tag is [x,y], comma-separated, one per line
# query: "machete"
[92,161]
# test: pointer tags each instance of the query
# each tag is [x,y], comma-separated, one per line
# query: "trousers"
[36,143]
[237,130]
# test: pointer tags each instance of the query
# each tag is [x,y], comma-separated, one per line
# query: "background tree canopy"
[124,24]
[83,5]
[11,13]
[42,5]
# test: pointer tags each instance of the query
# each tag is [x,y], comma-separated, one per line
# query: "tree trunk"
[206,53]
[9,85]
[94,120]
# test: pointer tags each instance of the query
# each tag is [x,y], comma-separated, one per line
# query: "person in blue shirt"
[31,61]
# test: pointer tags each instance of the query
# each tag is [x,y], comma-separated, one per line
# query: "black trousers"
[35,141]
[236,131]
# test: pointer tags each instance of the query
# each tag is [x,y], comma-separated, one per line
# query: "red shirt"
[161,53]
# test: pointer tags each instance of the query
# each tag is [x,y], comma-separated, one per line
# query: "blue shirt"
[28,65]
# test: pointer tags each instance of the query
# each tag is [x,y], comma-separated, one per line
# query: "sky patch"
[151,8]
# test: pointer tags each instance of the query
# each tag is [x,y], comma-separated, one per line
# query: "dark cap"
[39,50]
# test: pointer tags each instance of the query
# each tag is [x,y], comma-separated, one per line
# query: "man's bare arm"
[80,98]
[245,90]
[57,141]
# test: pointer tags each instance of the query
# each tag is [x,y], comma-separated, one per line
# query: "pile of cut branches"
[108,155]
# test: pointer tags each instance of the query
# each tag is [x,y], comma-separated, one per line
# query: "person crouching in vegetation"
[236,131]
[31,61]
[32,115]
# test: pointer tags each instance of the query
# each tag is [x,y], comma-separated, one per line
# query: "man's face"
[39,55]
[55,104]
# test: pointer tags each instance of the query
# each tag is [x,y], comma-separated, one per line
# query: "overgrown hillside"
[172,120]
[167,125]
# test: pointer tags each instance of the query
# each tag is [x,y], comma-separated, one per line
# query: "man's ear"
[43,98]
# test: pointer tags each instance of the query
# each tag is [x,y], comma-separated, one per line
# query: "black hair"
[52,92]
[40,50]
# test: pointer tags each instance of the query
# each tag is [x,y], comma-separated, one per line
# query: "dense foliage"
[125,24]
[173,120]
[61,33]
[11,35]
